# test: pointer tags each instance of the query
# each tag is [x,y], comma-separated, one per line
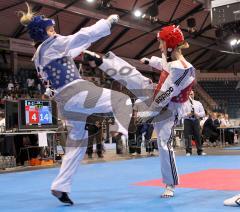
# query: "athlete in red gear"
[164,105]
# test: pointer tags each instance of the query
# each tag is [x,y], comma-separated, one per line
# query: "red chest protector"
[184,94]
[163,77]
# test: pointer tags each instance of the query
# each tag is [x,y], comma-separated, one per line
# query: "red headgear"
[172,35]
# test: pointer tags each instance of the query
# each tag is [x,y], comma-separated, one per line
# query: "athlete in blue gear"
[76,98]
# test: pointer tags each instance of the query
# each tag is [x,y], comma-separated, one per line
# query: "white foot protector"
[168,192]
[233,201]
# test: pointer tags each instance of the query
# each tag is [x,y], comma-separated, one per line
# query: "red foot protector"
[211,179]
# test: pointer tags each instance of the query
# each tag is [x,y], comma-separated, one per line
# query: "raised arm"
[81,40]
[155,62]
[123,72]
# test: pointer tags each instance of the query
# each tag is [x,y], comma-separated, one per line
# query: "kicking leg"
[84,98]
[123,72]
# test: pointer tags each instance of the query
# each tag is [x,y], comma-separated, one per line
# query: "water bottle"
[235,139]
[7,162]
[1,162]
[14,162]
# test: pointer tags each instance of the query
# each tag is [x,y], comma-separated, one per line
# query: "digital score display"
[38,112]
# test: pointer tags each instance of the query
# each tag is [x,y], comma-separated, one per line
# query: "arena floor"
[129,185]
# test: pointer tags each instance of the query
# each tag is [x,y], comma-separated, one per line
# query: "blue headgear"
[37,28]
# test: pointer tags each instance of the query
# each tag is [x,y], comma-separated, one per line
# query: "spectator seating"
[225,94]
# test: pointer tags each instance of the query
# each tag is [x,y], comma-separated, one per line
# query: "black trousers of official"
[192,130]
[135,140]
[150,145]
[95,133]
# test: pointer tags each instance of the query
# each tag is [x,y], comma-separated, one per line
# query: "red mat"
[211,179]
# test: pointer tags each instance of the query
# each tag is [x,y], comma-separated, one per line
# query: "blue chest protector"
[61,71]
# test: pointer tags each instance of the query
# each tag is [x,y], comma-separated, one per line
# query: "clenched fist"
[113,18]
[145,60]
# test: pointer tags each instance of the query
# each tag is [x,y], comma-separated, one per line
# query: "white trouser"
[128,76]
[71,160]
[165,135]
[75,108]
[135,82]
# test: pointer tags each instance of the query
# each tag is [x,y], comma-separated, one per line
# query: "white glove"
[145,60]
[113,19]
[49,92]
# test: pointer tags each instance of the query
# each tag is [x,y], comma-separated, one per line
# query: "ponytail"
[183,45]
[26,17]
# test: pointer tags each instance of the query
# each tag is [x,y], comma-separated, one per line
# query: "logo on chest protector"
[164,95]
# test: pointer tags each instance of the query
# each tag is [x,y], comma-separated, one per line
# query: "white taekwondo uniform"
[174,86]
[77,98]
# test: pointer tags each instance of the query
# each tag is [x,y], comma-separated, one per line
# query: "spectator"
[202,121]
[147,131]
[194,112]
[217,120]
[210,130]
[30,86]
[2,119]
[10,86]
[95,132]
[229,134]
[134,137]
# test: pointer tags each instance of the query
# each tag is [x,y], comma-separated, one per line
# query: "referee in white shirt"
[194,112]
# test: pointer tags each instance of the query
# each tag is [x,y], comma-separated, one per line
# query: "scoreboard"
[225,12]
[38,112]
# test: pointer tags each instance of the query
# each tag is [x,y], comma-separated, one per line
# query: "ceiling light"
[137,13]
[233,42]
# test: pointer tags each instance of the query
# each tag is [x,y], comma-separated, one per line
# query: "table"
[30,132]
[222,134]
[52,145]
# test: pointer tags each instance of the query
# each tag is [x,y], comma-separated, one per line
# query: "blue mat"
[109,187]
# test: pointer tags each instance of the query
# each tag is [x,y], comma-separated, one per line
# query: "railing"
[217,76]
